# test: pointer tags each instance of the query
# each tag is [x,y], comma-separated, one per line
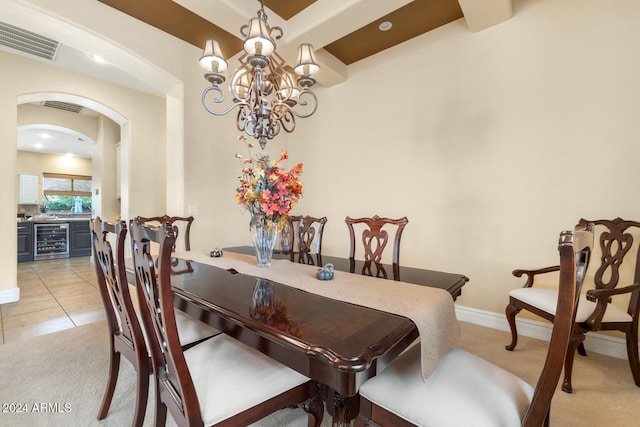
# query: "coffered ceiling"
[341,31]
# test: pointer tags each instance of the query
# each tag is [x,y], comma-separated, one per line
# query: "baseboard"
[598,343]
[10,295]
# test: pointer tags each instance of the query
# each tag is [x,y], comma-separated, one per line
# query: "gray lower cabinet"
[79,238]
[25,241]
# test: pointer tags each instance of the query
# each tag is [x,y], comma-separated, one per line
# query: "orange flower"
[266,188]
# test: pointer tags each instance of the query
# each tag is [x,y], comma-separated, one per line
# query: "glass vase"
[264,239]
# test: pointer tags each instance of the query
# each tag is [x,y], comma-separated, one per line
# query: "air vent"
[27,42]
[66,106]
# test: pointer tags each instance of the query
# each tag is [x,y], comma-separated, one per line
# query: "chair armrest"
[531,274]
[602,294]
[602,297]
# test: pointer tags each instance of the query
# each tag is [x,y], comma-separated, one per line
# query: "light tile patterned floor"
[54,295]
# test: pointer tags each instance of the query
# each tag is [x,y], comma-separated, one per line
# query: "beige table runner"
[431,309]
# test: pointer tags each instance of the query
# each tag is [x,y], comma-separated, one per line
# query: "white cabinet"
[29,187]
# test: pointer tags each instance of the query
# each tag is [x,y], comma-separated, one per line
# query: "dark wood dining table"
[338,344]
[450,282]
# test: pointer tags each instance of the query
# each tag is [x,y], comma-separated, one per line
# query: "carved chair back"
[126,335]
[616,241]
[485,393]
[302,238]
[615,277]
[174,383]
[181,226]
[575,252]
[374,239]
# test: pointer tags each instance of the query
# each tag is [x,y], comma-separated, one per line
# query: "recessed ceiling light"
[39,146]
[385,26]
[45,136]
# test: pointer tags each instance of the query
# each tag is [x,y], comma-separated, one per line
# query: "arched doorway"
[106,170]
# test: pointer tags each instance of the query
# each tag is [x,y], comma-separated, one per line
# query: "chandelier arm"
[306,93]
[278,30]
[245,119]
[288,121]
[217,100]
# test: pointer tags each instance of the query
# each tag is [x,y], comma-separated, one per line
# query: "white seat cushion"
[190,329]
[546,300]
[464,390]
[230,377]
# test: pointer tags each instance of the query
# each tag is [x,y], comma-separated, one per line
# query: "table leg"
[314,406]
[345,408]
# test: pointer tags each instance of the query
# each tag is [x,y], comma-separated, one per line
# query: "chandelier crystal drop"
[268,95]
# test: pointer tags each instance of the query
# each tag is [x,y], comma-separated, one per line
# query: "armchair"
[596,311]
[466,390]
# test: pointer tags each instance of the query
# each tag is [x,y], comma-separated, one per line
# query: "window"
[66,193]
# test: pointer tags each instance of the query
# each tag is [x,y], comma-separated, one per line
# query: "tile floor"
[54,295]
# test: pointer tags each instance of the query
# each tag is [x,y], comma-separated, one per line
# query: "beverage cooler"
[51,241]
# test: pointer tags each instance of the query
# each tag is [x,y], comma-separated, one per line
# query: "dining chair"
[375,238]
[120,301]
[466,390]
[302,239]
[219,382]
[596,310]
[125,333]
[182,226]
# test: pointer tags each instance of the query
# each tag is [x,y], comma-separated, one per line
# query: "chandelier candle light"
[264,90]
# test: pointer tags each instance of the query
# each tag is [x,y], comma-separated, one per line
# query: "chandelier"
[264,89]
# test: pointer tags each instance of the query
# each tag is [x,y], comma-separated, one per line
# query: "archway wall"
[141,116]
[83,124]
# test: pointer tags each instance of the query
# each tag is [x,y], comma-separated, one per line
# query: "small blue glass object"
[325,273]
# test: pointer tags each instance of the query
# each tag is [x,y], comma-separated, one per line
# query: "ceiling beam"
[320,24]
[482,14]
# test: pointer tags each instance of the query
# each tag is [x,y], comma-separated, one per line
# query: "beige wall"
[101,130]
[81,123]
[489,142]
[144,136]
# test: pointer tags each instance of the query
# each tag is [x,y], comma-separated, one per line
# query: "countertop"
[54,220]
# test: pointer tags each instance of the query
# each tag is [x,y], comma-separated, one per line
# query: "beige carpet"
[60,379]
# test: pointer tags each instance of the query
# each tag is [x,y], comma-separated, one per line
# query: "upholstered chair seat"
[221,381]
[230,376]
[464,390]
[615,280]
[546,299]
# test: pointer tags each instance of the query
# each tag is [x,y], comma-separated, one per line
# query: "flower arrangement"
[266,188]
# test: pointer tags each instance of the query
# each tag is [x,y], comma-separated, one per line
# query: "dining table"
[450,282]
[337,332]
